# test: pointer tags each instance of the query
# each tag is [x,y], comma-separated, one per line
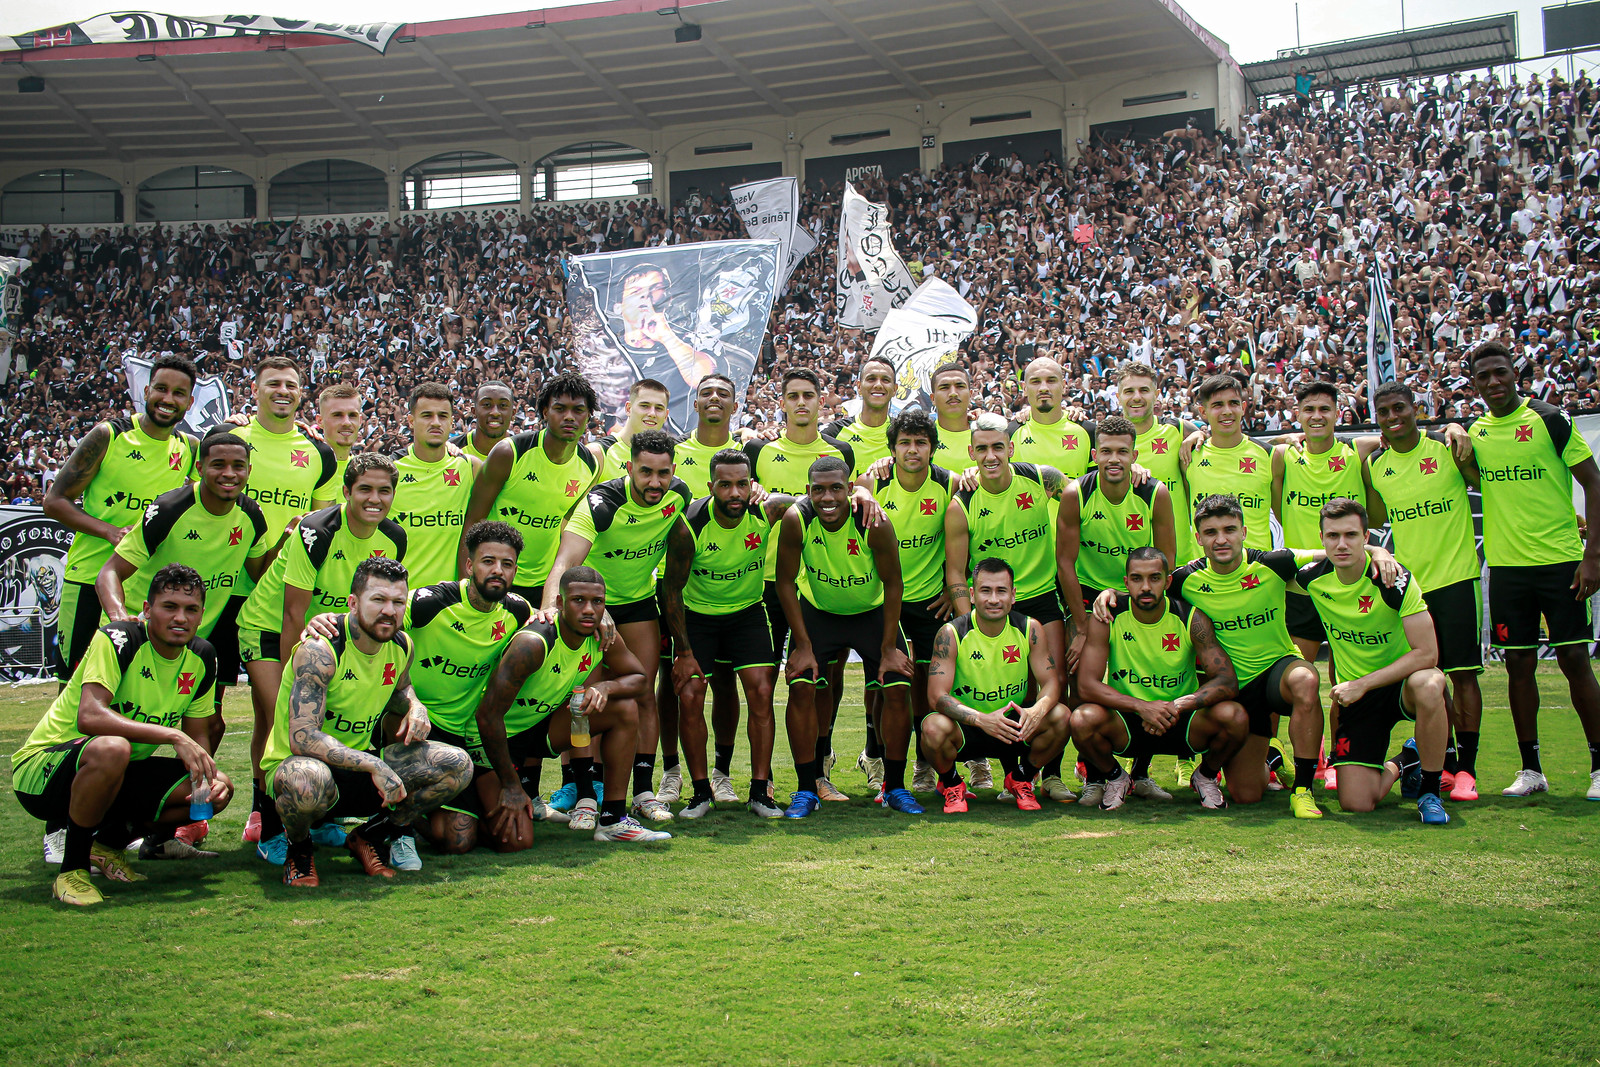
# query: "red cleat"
[955,797]
[1447,782]
[1465,787]
[194,832]
[252,828]
[1023,791]
[300,871]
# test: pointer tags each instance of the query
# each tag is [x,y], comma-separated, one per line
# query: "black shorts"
[1364,727]
[777,621]
[1457,611]
[741,639]
[1518,596]
[920,626]
[833,636]
[146,784]
[533,594]
[1175,742]
[77,620]
[1045,608]
[1262,696]
[645,610]
[978,745]
[531,744]
[1300,615]
[225,639]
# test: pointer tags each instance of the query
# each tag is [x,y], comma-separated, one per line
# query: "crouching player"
[979,678]
[89,764]
[319,760]
[1385,649]
[1140,676]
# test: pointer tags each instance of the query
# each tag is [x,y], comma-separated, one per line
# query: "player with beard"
[1048,437]
[492,407]
[434,488]
[867,433]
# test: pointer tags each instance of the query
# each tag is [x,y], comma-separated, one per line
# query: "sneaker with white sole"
[1054,788]
[671,790]
[763,808]
[172,848]
[55,847]
[584,816]
[722,790]
[403,854]
[1527,783]
[872,767]
[543,812]
[1147,789]
[649,806]
[826,790]
[1210,792]
[627,829]
[979,776]
[1116,791]
[1092,794]
[1594,786]
[274,850]
[695,809]
[924,779]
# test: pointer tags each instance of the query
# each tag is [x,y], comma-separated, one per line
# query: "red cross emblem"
[1024,501]
[376,553]
[1247,465]
[175,460]
[1341,747]
[583,664]
[929,507]
[1159,446]
[852,547]
[1364,605]
[1135,522]
[1429,466]
[1069,443]
[667,512]
[752,541]
[1012,653]
[1169,643]
[1336,464]
[572,487]
[235,535]
[452,477]
[388,674]
[52,38]
[498,632]
[299,457]
[1502,632]
[1524,433]
[1250,582]
[186,684]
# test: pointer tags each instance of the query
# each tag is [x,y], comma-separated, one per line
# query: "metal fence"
[24,651]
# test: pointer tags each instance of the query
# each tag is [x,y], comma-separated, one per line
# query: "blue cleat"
[1411,779]
[565,798]
[274,850]
[328,835]
[802,802]
[1431,808]
[902,801]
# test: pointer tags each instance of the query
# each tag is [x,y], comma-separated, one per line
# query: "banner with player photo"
[870,279]
[674,313]
[138,27]
[771,209]
[1380,338]
[211,402]
[33,551]
[922,333]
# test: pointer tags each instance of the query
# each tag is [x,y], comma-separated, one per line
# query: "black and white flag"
[211,401]
[871,278]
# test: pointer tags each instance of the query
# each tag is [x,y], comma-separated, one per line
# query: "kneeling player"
[524,713]
[89,765]
[977,681]
[1140,675]
[1385,647]
[319,760]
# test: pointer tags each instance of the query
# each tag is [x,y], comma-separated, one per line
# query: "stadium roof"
[568,72]
[1413,53]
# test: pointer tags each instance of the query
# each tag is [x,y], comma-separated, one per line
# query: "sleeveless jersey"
[725,575]
[1310,481]
[1429,513]
[1244,471]
[1525,461]
[135,469]
[549,688]
[1246,605]
[694,462]
[626,538]
[918,519]
[1364,619]
[991,672]
[954,450]
[457,648]
[869,443]
[287,472]
[781,466]
[1014,525]
[1108,531]
[430,502]
[841,575]
[1158,449]
[463,441]
[615,457]
[1063,444]
[1152,661]
[537,497]
[321,557]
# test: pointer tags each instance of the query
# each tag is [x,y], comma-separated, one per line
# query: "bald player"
[1049,437]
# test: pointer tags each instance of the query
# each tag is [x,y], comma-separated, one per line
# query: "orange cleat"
[372,864]
[193,833]
[252,828]
[300,871]
[1023,791]
[955,797]
[1465,787]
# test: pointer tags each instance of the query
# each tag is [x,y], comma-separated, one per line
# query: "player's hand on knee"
[685,673]
[800,661]
[506,821]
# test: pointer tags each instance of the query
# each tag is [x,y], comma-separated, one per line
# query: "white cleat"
[1594,786]
[696,809]
[1147,789]
[584,816]
[827,763]
[871,767]
[979,776]
[1116,791]
[722,790]
[671,790]
[543,812]
[1092,793]
[1054,788]
[649,806]
[55,848]
[1210,792]
[1527,783]
[924,779]
[626,829]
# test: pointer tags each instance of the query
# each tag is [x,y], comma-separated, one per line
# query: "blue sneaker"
[565,798]
[274,850]
[1411,780]
[902,801]
[328,835]
[1431,808]
[403,854]
[802,802]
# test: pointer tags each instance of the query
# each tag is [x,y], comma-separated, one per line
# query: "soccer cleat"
[902,801]
[802,802]
[1115,791]
[1447,783]
[1303,804]
[328,834]
[1092,793]
[252,828]
[627,829]
[955,797]
[1147,789]
[365,854]
[1330,780]
[274,850]
[696,809]
[300,871]
[826,791]
[73,887]
[1285,768]
[979,776]
[174,848]
[1431,808]
[763,808]
[193,833]
[871,767]
[722,790]
[649,806]
[1186,769]
[1023,792]
[1210,792]
[584,816]
[565,798]
[924,779]
[1594,786]
[55,847]
[1465,788]
[1527,783]
[543,812]
[827,763]
[1057,790]
[671,790]
[113,864]
[1273,785]
[403,854]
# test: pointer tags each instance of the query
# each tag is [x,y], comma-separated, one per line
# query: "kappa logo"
[779,457]
[1524,433]
[1011,654]
[186,682]
[309,536]
[338,553]
[976,654]
[118,637]
[136,454]
[299,457]
[752,541]
[1127,635]
[1169,643]
[555,668]
[1135,522]
[633,520]
[408,479]
[891,506]
[144,672]
[191,536]
[532,477]
[1205,587]
[1324,594]
[452,477]
[1483,431]
[928,506]
[1098,516]
[1206,462]
[498,631]
[349,675]
[715,547]
[1388,472]
[455,624]
[816,540]
[388,674]
[984,513]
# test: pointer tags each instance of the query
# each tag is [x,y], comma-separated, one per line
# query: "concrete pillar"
[525,187]
[393,181]
[658,178]
[1075,131]
[130,201]
[791,160]
[263,191]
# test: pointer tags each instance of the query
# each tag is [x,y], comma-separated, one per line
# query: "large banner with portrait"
[870,277]
[33,550]
[675,314]
[211,403]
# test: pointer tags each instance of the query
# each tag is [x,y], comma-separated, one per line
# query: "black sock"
[1530,756]
[824,748]
[1095,774]
[1026,770]
[669,756]
[613,811]
[1102,776]
[259,801]
[302,850]
[724,758]
[950,777]
[1406,759]
[644,772]
[702,790]
[1275,760]
[1467,752]
[1430,782]
[379,829]
[1053,768]
[567,777]
[530,777]
[1451,764]
[894,774]
[75,855]
[271,822]
[1141,767]
[874,743]
[53,825]
[807,773]
[1305,772]
[758,789]
[1594,757]
[581,772]
[1201,767]
[114,833]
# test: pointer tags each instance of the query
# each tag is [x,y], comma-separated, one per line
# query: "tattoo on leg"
[432,772]
[304,793]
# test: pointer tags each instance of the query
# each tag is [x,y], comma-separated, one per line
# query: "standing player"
[1049,437]
[335,697]
[621,529]
[1528,455]
[647,409]
[867,433]
[951,387]
[492,406]
[851,601]
[1230,464]
[432,490]
[339,421]
[1160,445]
[978,679]
[1140,676]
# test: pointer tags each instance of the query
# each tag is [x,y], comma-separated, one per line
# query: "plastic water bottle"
[200,801]
[580,719]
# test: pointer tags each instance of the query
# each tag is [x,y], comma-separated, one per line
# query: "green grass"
[1157,934]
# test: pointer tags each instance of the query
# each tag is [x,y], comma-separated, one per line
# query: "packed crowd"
[1246,249]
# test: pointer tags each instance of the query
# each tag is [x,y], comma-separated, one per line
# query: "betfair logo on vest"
[1016,540]
[1425,509]
[450,668]
[1147,681]
[623,555]
[990,696]
[1247,620]
[1512,473]
[1310,501]
[1358,637]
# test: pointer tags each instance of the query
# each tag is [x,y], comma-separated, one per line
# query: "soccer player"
[339,421]
[492,406]
[118,469]
[1528,455]
[533,480]
[1160,445]
[978,679]
[335,696]
[867,433]
[433,488]
[712,603]
[951,387]
[715,405]
[1140,676]
[89,763]
[1419,487]
[526,710]
[851,601]
[1383,643]
[1048,437]
[646,409]
[1229,463]
[621,529]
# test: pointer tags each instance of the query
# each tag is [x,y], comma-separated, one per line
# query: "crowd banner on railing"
[211,402]
[32,553]
[870,279]
[674,313]
[1380,339]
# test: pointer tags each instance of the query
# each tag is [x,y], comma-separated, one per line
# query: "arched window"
[592,170]
[59,197]
[189,194]
[328,187]
[460,179]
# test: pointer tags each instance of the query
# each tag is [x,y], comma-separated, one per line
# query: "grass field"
[1158,932]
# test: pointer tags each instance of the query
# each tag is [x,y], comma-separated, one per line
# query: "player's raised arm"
[573,551]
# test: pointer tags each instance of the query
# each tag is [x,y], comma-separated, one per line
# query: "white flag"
[921,333]
[211,401]
[871,278]
[771,209]
[1380,339]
